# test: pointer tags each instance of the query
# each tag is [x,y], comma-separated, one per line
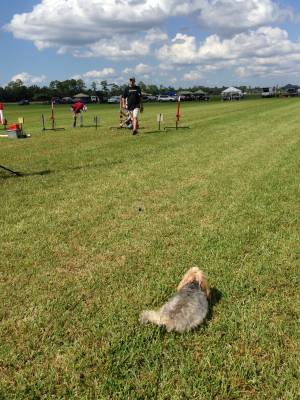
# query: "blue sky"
[169,42]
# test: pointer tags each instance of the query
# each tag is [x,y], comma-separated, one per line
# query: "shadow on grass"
[215,298]
[10,171]
[155,131]
[7,174]
[16,174]
[101,164]
[38,173]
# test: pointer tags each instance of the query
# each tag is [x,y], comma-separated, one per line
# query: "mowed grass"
[103,225]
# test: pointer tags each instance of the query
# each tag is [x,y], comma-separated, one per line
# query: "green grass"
[79,261]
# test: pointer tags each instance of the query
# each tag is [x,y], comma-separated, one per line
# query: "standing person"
[132,100]
[1,113]
[77,107]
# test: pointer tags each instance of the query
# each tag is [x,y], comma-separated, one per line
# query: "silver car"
[114,99]
[165,97]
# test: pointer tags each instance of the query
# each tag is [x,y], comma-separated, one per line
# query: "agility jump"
[77,109]
[94,124]
[160,121]
[177,122]
[53,121]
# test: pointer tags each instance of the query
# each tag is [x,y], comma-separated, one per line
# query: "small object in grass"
[141,209]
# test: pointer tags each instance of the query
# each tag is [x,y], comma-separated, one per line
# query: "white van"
[95,99]
[268,92]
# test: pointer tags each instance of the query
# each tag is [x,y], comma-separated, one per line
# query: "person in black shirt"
[132,101]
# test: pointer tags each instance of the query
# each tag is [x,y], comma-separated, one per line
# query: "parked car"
[114,99]
[56,100]
[268,92]
[149,98]
[202,97]
[67,100]
[291,92]
[187,97]
[24,102]
[165,97]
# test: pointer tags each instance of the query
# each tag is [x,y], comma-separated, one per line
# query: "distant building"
[84,98]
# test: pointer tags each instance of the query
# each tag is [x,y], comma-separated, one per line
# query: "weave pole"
[177,126]
[178,113]
[52,116]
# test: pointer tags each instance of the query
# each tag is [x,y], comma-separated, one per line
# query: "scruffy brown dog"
[187,308]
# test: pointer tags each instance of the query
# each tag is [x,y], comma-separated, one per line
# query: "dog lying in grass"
[187,308]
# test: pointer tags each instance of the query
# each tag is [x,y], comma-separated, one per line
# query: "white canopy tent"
[232,93]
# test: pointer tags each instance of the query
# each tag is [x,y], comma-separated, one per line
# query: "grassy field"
[103,224]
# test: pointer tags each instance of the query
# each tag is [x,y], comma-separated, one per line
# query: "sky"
[170,42]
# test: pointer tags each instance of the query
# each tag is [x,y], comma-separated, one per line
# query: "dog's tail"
[151,316]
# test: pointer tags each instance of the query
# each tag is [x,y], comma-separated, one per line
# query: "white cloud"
[128,71]
[99,25]
[118,47]
[262,42]
[182,50]
[165,67]
[76,77]
[100,74]
[142,69]
[192,76]
[242,35]
[275,66]
[155,35]
[76,23]
[121,47]
[28,79]
[239,15]
[256,52]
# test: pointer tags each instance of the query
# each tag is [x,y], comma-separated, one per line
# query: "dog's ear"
[190,276]
[202,280]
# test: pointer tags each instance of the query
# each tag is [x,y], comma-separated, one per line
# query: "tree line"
[16,90]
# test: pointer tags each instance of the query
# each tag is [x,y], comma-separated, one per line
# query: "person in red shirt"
[76,109]
[1,113]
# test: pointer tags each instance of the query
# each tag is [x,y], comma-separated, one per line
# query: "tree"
[115,90]
[104,86]
[94,87]
[66,88]
[16,90]
[80,85]
[153,89]
[142,86]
